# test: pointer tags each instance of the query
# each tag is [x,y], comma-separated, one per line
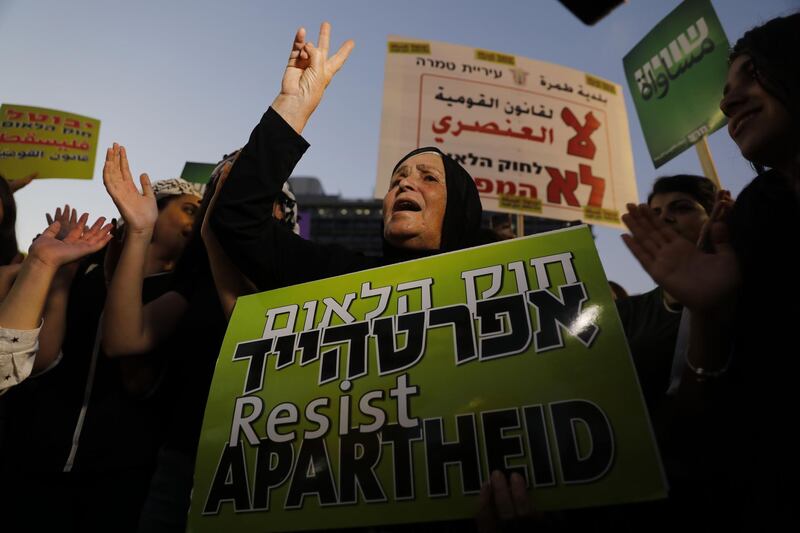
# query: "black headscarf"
[462,214]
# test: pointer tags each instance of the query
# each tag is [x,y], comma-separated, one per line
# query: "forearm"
[292,111]
[8,274]
[707,361]
[710,341]
[242,216]
[228,280]
[124,331]
[23,306]
[54,326]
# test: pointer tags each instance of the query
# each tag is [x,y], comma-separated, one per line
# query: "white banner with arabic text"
[539,139]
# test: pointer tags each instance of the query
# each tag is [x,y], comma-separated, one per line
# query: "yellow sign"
[593,213]
[53,143]
[409,48]
[520,203]
[495,57]
[598,83]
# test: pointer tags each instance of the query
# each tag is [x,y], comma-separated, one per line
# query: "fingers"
[316,59]
[74,234]
[519,495]
[111,172]
[99,235]
[147,187]
[116,169]
[336,61]
[297,45]
[325,37]
[649,232]
[97,225]
[49,218]
[720,237]
[52,230]
[723,204]
[124,166]
[643,256]
[484,519]
[502,496]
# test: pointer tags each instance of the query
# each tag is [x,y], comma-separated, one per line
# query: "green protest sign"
[197,172]
[676,75]
[389,395]
[52,143]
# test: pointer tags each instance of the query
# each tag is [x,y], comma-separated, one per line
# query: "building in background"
[357,223]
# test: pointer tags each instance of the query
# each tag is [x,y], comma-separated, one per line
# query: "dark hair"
[773,49]
[701,189]
[164,201]
[194,256]
[8,234]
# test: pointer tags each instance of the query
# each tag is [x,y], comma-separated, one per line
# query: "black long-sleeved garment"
[265,251]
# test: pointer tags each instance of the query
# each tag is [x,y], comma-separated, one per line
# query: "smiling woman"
[737,389]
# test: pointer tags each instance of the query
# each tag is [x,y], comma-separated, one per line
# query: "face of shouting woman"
[414,206]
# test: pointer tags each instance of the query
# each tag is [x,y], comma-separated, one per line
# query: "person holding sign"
[736,386]
[432,206]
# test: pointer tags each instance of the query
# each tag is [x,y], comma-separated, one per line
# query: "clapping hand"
[139,210]
[701,280]
[79,242]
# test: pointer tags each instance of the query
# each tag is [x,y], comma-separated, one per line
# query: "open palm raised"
[138,209]
[78,243]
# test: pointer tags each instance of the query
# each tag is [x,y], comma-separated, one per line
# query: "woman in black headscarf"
[432,204]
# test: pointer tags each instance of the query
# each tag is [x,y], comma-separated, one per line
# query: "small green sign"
[389,395]
[197,172]
[676,75]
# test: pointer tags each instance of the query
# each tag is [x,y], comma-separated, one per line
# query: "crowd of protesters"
[109,332]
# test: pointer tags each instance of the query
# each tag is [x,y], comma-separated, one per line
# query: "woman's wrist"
[292,111]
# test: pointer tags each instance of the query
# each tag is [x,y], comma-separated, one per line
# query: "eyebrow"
[742,66]
[428,168]
[400,169]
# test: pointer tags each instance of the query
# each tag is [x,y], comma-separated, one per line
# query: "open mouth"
[406,205]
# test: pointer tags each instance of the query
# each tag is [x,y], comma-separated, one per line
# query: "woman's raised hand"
[702,280]
[138,209]
[307,74]
[79,242]
[67,218]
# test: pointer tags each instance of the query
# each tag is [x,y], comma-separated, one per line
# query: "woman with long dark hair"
[741,369]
